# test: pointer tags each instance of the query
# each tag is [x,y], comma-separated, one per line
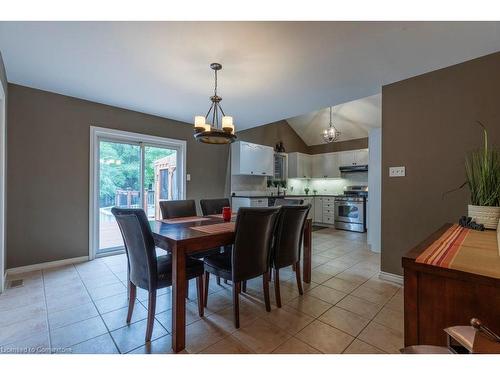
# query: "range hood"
[354,168]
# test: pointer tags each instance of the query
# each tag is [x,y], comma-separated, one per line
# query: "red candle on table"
[226,213]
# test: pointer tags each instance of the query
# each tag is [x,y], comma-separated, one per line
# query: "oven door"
[349,212]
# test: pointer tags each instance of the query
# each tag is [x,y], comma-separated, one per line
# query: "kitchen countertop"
[285,196]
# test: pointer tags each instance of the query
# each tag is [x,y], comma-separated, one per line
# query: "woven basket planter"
[488,216]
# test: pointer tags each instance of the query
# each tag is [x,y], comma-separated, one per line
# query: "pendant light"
[221,131]
[331,134]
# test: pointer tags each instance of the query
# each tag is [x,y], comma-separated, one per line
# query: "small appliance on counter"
[350,209]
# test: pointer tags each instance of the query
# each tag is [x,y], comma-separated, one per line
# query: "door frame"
[3,184]
[98,133]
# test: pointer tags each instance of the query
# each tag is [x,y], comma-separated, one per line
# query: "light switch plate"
[188,177]
[397,171]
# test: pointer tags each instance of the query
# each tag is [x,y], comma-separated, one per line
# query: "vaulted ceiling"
[271,70]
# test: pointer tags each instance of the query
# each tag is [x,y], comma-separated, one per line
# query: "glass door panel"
[161,180]
[119,185]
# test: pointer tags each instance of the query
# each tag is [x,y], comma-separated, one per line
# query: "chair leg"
[265,285]
[236,304]
[132,290]
[199,292]
[299,280]
[277,287]
[151,314]
[244,286]
[207,280]
[218,280]
[187,289]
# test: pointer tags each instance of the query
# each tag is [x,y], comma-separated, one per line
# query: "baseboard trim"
[45,265]
[391,277]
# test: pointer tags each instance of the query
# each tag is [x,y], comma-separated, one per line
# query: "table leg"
[178,299]
[307,250]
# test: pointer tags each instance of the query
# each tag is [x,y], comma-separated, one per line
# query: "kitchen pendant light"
[331,134]
[214,133]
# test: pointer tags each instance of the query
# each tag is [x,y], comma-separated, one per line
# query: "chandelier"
[331,134]
[221,131]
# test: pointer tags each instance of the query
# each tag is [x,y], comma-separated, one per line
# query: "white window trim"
[3,185]
[98,132]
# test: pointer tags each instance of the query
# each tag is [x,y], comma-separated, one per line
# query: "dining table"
[188,236]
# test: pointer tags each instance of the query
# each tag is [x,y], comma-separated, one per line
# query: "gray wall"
[352,144]
[428,124]
[48,169]
[3,82]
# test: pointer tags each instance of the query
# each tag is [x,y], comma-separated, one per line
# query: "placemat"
[187,219]
[466,250]
[216,228]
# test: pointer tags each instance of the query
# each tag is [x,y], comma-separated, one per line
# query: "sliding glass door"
[132,172]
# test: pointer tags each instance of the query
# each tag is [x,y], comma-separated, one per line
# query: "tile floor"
[81,308]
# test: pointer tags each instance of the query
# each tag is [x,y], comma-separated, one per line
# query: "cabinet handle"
[263,172]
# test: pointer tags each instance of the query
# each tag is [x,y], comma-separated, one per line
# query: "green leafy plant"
[283,184]
[482,169]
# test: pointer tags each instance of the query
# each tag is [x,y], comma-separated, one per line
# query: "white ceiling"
[354,120]
[272,70]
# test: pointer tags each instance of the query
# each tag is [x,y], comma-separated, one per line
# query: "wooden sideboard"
[436,298]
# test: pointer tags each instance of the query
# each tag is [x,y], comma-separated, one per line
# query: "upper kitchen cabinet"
[355,157]
[299,165]
[325,165]
[252,159]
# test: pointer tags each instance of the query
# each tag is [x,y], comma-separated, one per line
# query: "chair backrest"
[213,206]
[139,246]
[181,208]
[288,202]
[289,232]
[253,239]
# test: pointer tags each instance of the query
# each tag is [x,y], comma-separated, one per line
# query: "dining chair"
[184,208]
[177,208]
[145,269]
[249,258]
[287,244]
[213,206]
[288,202]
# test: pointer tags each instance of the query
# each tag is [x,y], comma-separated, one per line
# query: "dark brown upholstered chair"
[145,269]
[287,244]
[250,256]
[288,202]
[213,206]
[175,209]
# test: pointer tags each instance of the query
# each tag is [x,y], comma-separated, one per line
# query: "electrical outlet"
[397,171]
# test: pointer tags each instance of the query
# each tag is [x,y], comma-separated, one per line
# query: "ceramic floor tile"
[387,339]
[165,317]
[390,318]
[359,306]
[382,286]
[295,346]
[118,318]
[107,290]
[67,302]
[372,295]
[37,343]
[319,277]
[325,338]
[288,319]
[202,334]
[344,320]
[108,304]
[163,345]
[98,345]
[19,314]
[360,347]
[396,303]
[133,336]
[261,336]
[77,332]
[327,294]
[228,345]
[72,315]
[309,305]
[22,330]
[341,284]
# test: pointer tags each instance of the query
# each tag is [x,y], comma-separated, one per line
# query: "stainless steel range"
[350,209]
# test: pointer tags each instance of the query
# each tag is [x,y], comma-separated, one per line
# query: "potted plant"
[482,168]
[306,190]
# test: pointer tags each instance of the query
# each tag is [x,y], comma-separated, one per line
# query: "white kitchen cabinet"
[299,165]
[355,157]
[237,202]
[318,209]
[252,159]
[309,200]
[325,165]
